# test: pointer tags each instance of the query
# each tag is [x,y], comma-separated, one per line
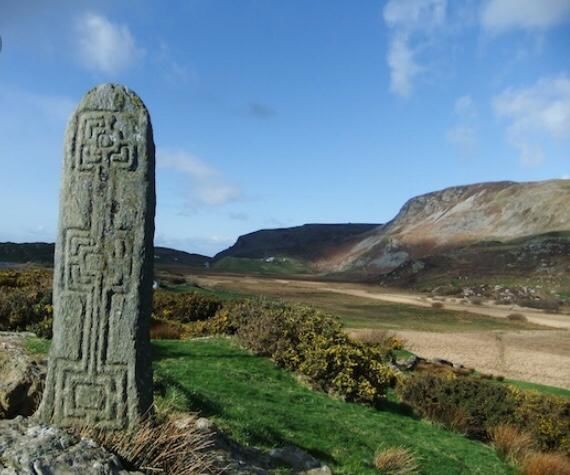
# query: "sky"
[271,113]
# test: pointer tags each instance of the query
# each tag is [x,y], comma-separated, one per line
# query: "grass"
[260,266]
[37,346]
[541,388]
[358,312]
[259,404]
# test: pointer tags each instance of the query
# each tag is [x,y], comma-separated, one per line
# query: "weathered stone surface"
[99,368]
[27,447]
[21,377]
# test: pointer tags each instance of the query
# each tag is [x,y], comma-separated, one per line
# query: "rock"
[205,425]
[407,364]
[441,362]
[21,377]
[323,470]
[29,447]
[295,457]
[100,369]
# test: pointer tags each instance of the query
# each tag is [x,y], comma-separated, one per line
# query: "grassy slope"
[260,404]
[260,266]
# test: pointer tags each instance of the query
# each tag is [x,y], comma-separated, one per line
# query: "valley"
[475,335]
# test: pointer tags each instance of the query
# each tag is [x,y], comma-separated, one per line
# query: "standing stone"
[99,369]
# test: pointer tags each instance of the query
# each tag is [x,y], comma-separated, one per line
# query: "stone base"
[30,447]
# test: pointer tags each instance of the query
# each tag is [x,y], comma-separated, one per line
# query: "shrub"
[546,417]
[184,307]
[385,341]
[510,443]
[548,304]
[396,461]
[517,317]
[545,464]
[475,407]
[165,330]
[163,448]
[464,404]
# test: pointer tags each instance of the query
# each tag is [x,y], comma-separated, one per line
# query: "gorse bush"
[547,418]
[25,302]
[184,308]
[483,405]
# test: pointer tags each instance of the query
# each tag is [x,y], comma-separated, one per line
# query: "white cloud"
[465,106]
[411,22]
[105,46]
[535,114]
[207,185]
[504,15]
[464,137]
[403,66]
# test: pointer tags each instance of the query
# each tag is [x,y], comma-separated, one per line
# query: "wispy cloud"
[465,106]
[504,15]
[237,216]
[207,185]
[258,110]
[463,135]
[105,46]
[411,23]
[535,114]
[464,138]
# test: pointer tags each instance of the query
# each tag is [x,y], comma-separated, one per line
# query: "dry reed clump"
[157,448]
[511,443]
[517,317]
[396,461]
[541,463]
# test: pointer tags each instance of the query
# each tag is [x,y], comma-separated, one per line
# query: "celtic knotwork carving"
[100,142]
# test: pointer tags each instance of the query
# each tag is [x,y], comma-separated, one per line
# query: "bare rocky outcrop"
[29,447]
[21,377]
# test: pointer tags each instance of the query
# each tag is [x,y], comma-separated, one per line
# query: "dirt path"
[536,356]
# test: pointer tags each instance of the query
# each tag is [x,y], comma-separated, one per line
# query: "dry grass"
[396,461]
[158,448]
[510,443]
[517,317]
[163,330]
[539,463]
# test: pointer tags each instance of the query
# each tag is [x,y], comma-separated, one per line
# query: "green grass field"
[357,312]
[259,404]
[261,266]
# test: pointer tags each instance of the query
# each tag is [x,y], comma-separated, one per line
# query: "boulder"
[29,447]
[21,377]
[295,458]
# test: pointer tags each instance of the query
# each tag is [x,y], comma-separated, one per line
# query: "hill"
[483,229]
[43,253]
[455,217]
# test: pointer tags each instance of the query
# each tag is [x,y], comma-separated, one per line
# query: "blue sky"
[271,113]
